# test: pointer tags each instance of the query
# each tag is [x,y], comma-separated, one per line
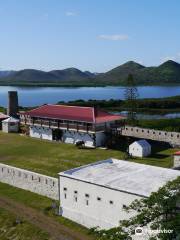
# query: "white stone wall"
[147,133]
[73,137]
[27,180]
[99,212]
[7,127]
[176,161]
[40,132]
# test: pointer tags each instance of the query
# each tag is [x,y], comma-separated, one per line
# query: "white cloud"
[114,37]
[164,59]
[173,58]
[71,14]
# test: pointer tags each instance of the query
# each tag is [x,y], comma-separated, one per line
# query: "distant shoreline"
[86,85]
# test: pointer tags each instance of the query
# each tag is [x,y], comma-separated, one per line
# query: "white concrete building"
[10,125]
[70,124]
[140,148]
[94,195]
[177,160]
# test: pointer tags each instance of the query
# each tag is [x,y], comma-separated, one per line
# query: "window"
[32,178]
[111,202]
[98,198]
[65,195]
[65,189]
[46,181]
[87,195]
[75,192]
[87,202]
[39,179]
[75,198]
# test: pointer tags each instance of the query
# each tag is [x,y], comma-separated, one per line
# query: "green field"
[40,203]
[51,157]
[9,230]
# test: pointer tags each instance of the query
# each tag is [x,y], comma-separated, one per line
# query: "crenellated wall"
[27,180]
[163,136]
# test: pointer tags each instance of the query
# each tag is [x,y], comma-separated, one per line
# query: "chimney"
[12,109]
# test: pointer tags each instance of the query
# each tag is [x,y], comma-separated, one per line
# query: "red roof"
[177,153]
[73,113]
[3,116]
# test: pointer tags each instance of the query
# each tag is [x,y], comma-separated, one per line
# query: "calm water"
[153,116]
[40,95]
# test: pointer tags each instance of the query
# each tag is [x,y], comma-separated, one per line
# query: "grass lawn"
[9,230]
[38,202]
[49,158]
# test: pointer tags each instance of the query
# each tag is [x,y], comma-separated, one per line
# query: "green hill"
[166,73]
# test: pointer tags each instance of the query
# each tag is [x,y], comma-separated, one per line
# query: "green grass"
[9,230]
[38,202]
[49,158]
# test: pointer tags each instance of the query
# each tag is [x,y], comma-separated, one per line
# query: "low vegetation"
[49,158]
[41,204]
[12,228]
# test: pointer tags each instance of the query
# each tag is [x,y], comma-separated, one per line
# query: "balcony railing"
[60,125]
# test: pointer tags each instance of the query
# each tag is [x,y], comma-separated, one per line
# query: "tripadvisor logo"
[139,231]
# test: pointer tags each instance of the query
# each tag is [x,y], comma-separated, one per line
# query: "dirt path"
[56,230]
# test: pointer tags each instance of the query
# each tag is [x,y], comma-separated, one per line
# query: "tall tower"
[12,109]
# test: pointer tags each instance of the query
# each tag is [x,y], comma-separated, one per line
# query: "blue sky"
[94,35]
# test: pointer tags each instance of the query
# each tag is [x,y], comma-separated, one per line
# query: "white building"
[94,195]
[70,124]
[140,148]
[10,125]
[177,160]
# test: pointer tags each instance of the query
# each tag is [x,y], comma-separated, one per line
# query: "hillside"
[166,73]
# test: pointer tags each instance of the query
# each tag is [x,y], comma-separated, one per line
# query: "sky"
[94,35]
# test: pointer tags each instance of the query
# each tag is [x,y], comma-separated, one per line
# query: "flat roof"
[130,177]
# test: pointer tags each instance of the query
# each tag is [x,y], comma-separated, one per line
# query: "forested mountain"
[166,73]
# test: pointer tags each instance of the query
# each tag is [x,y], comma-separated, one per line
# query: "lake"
[33,96]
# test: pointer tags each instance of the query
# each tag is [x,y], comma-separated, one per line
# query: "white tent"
[10,125]
[140,148]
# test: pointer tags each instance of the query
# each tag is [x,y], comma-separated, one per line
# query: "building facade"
[70,124]
[10,125]
[140,148]
[95,195]
[177,160]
